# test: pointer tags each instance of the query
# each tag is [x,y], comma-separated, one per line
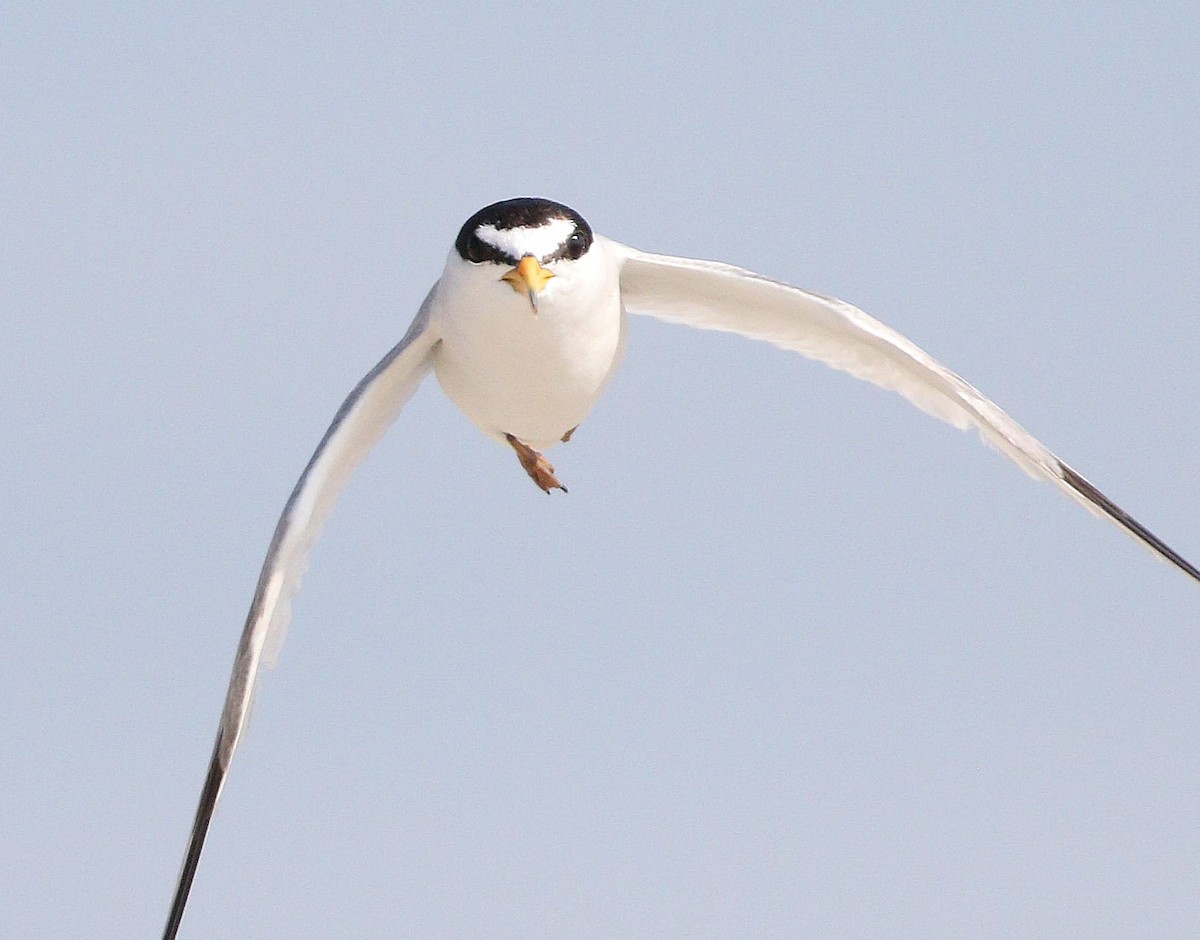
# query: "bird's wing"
[714,296]
[365,414]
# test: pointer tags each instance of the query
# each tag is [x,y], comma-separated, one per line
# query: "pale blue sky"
[791,658]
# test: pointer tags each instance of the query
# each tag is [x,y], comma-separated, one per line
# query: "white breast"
[511,371]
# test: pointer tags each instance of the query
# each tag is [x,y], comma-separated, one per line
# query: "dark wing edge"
[714,296]
[361,420]
[204,813]
[1101,505]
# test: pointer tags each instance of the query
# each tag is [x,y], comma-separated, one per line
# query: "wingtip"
[1094,497]
[204,813]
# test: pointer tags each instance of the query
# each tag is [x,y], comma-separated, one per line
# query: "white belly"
[535,376]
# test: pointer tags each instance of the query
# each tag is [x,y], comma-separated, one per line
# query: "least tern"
[524,328]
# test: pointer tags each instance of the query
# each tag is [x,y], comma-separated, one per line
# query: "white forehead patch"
[518,242]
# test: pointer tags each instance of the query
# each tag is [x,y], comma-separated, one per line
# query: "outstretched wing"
[714,296]
[365,414]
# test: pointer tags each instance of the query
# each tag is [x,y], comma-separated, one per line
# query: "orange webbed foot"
[540,470]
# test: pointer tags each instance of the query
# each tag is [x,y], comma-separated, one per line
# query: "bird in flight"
[524,329]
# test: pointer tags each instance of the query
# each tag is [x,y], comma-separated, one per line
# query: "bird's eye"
[477,251]
[577,244]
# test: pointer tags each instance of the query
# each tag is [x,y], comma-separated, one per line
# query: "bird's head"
[525,243]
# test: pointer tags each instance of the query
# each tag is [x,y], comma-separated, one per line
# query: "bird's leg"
[566,437]
[540,470]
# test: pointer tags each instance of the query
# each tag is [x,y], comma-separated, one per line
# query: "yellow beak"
[528,277]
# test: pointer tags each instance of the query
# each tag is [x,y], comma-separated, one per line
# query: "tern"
[524,329]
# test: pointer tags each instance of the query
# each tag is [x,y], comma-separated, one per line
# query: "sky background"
[791,658]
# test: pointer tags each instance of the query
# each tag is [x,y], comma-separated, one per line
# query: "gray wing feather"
[714,296]
[366,413]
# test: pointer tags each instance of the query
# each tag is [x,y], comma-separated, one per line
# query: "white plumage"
[523,329]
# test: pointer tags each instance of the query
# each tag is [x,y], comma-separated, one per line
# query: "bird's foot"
[540,470]
[566,437]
